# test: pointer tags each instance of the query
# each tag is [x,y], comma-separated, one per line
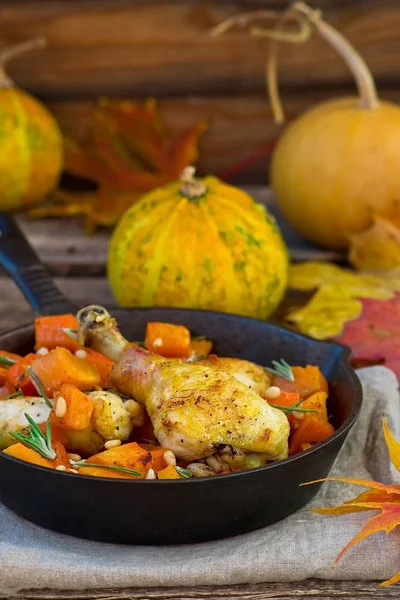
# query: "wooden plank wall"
[137,48]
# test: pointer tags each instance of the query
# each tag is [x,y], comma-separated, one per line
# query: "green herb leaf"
[184,472]
[39,385]
[18,394]
[36,439]
[83,463]
[293,408]
[7,362]
[281,369]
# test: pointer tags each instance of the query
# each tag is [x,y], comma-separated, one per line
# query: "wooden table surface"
[78,263]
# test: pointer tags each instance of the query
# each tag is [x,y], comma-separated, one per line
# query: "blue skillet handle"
[22,263]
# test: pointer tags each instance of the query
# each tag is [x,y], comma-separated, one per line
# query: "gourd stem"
[191,187]
[11,52]
[362,75]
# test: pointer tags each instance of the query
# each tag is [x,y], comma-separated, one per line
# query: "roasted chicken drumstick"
[194,408]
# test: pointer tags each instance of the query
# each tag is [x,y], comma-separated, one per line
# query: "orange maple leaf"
[127,154]
[384,498]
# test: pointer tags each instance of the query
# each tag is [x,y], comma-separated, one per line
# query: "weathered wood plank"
[63,247]
[163,48]
[312,589]
[238,125]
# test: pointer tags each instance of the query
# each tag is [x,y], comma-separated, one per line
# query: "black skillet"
[175,511]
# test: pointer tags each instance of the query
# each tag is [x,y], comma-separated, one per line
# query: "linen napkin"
[301,546]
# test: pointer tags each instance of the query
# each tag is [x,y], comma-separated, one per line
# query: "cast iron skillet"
[175,511]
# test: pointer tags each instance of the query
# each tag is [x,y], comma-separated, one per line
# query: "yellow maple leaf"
[380,497]
[336,299]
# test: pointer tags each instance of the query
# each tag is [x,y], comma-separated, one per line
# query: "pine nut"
[75,457]
[273,392]
[112,444]
[72,471]
[150,474]
[80,353]
[214,463]
[199,470]
[60,409]
[157,343]
[43,351]
[169,458]
[61,468]
[298,415]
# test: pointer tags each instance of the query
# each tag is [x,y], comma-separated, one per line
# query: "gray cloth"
[301,546]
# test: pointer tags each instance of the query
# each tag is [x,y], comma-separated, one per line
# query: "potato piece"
[169,473]
[85,443]
[110,418]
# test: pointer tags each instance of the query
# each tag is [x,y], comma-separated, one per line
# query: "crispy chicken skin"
[252,375]
[193,407]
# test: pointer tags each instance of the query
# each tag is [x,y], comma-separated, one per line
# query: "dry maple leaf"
[380,497]
[127,154]
[377,249]
[375,334]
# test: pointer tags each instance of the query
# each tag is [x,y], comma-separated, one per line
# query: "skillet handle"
[20,261]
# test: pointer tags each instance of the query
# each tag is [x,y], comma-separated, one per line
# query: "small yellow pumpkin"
[31,148]
[337,165]
[198,244]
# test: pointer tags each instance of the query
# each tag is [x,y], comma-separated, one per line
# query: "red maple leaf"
[127,154]
[375,334]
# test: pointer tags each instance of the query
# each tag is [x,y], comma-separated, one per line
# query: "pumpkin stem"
[362,75]
[191,187]
[11,52]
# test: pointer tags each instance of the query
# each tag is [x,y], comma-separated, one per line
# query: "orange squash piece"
[49,332]
[313,427]
[287,399]
[200,347]
[130,456]
[11,355]
[102,364]
[62,457]
[168,340]
[79,409]
[99,472]
[28,455]
[56,433]
[169,473]
[157,456]
[18,377]
[60,366]
[307,381]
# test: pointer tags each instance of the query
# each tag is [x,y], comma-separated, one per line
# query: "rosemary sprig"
[282,369]
[36,439]
[7,362]
[83,463]
[195,358]
[18,394]
[293,408]
[40,387]
[184,472]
